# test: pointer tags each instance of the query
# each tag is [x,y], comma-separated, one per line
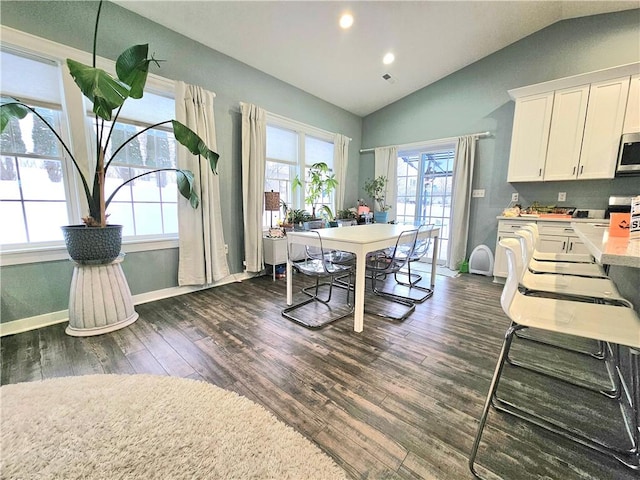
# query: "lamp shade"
[272,201]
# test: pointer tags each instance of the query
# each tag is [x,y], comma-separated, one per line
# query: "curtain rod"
[431,142]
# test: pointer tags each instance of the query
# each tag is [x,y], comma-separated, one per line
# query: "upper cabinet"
[603,128]
[565,135]
[570,129]
[632,116]
[530,136]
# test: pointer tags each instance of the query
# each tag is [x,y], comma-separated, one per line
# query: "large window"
[425,181]
[38,189]
[33,178]
[291,149]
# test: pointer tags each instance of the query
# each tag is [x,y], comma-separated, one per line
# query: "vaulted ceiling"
[302,44]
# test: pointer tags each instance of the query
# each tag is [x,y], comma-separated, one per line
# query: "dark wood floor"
[400,400]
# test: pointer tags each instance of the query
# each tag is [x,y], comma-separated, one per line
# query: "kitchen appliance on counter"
[629,155]
[618,204]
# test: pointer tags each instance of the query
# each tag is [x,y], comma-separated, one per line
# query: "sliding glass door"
[425,181]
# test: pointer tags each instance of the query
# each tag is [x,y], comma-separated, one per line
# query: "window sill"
[59,252]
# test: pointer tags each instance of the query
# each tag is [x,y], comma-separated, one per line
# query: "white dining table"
[361,240]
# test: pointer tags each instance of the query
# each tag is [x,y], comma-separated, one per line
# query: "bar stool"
[614,324]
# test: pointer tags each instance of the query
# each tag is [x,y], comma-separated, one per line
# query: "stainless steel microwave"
[629,155]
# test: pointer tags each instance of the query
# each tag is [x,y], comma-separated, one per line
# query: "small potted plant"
[96,241]
[377,189]
[320,183]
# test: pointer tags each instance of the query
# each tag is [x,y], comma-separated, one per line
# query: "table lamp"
[272,203]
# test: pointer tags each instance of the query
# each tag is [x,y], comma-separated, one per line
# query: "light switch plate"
[514,197]
[562,196]
[479,193]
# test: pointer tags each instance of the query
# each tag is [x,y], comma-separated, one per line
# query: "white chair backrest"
[533,228]
[527,245]
[512,248]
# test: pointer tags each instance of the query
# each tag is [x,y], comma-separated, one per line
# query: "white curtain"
[461,200]
[254,153]
[386,163]
[202,258]
[340,164]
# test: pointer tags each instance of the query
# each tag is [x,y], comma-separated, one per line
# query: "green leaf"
[105,92]
[10,109]
[132,67]
[186,187]
[195,144]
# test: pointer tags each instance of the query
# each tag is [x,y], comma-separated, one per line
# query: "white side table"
[275,252]
[99,299]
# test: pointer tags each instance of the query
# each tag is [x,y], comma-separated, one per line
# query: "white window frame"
[74,120]
[302,130]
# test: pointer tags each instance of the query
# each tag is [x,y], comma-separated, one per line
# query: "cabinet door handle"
[564,244]
[540,172]
[570,246]
[574,171]
[581,169]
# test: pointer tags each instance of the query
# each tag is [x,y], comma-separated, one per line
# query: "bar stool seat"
[607,323]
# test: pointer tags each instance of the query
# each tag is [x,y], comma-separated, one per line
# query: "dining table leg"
[359,287]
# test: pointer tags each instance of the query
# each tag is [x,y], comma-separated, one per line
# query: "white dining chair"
[614,324]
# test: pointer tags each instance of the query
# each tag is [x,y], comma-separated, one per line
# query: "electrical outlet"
[479,193]
[562,196]
[514,197]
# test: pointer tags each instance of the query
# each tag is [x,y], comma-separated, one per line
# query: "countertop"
[608,250]
[547,219]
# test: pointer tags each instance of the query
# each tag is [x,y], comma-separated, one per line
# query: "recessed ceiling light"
[346,20]
[388,58]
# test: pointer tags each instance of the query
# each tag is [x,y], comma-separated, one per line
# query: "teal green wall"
[71,23]
[475,99]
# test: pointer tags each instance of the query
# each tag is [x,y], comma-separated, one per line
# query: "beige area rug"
[147,427]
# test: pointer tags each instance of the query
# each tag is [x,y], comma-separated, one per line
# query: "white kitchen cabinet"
[506,229]
[559,237]
[531,122]
[555,237]
[603,128]
[632,115]
[565,136]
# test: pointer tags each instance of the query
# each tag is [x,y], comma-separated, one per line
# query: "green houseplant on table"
[377,189]
[320,183]
[95,246]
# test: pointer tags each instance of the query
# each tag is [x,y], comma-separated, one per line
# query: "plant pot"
[381,217]
[93,245]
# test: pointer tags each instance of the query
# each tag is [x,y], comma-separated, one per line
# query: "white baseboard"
[52,318]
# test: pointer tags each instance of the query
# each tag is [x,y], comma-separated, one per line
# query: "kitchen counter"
[554,219]
[619,251]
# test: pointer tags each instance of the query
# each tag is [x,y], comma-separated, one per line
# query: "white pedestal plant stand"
[99,299]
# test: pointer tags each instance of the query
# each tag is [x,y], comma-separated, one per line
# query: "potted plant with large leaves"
[96,240]
[377,189]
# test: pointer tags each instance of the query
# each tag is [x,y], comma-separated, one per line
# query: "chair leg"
[393,298]
[493,387]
